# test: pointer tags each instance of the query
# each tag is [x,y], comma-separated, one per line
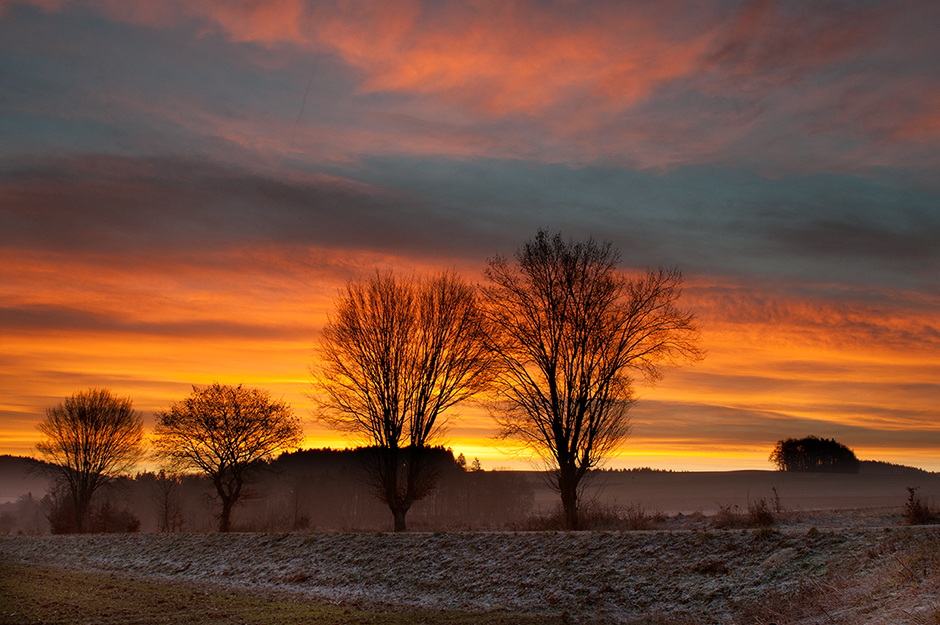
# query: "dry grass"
[596,516]
[34,594]
[758,514]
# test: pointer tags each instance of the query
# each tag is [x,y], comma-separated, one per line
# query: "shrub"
[916,512]
[109,519]
[758,514]
[727,518]
[635,517]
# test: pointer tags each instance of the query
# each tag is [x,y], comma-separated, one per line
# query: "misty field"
[856,560]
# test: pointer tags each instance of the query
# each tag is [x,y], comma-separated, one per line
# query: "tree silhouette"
[394,357]
[224,432]
[91,437]
[570,331]
[814,454]
[165,496]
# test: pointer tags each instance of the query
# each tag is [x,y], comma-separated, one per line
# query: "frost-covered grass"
[32,594]
[785,575]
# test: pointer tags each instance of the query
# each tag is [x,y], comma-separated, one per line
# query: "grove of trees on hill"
[813,454]
[305,490]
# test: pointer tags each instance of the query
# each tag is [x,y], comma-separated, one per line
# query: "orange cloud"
[494,57]
[511,58]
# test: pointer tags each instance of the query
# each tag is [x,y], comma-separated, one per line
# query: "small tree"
[224,432]
[397,354]
[91,437]
[814,454]
[570,332]
[166,497]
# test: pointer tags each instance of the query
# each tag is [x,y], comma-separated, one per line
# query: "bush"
[916,512]
[758,514]
[108,519]
[60,512]
[102,519]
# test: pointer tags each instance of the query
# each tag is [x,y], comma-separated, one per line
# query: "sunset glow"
[185,186]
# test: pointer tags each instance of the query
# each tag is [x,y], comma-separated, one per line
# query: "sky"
[185,185]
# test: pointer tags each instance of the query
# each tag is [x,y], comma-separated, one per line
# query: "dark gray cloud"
[703,219]
[830,238]
[129,205]
[44,318]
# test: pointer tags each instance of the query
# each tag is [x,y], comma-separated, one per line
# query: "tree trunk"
[568,488]
[398,513]
[225,518]
[229,489]
[81,515]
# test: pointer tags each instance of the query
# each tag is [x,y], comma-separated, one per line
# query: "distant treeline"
[638,470]
[308,490]
[877,467]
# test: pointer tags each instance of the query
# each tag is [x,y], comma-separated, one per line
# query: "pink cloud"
[646,85]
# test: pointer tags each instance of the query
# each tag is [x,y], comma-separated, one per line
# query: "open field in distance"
[707,492]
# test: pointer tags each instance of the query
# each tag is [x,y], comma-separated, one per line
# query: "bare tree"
[224,432]
[570,331]
[91,437]
[396,355]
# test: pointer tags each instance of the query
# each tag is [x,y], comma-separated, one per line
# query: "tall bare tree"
[224,432]
[90,438]
[570,332]
[395,356]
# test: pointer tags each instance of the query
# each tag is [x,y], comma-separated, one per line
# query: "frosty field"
[794,574]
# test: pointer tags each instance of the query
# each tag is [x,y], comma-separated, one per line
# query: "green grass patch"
[33,594]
